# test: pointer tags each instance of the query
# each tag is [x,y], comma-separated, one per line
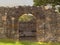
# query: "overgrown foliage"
[26,18]
[45,2]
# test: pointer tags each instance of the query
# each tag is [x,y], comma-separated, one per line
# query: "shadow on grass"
[31,43]
[12,42]
[6,41]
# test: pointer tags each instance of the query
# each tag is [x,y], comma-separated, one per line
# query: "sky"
[12,3]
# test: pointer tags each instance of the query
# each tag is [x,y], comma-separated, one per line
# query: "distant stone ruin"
[45,26]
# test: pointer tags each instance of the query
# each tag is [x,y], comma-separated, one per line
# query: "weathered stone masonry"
[46,24]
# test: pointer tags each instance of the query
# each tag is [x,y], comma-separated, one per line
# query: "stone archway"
[27,27]
[39,14]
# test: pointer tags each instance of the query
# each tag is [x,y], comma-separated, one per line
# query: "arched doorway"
[27,27]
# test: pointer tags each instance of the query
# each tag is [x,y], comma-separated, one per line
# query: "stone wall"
[47,22]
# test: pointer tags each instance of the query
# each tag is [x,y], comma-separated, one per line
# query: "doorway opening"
[27,27]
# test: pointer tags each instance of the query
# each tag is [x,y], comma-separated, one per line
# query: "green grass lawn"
[11,42]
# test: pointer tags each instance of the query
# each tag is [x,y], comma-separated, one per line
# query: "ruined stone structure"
[45,26]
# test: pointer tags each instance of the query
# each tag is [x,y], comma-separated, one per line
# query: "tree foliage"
[45,2]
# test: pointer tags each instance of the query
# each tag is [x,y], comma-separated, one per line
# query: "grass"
[11,42]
